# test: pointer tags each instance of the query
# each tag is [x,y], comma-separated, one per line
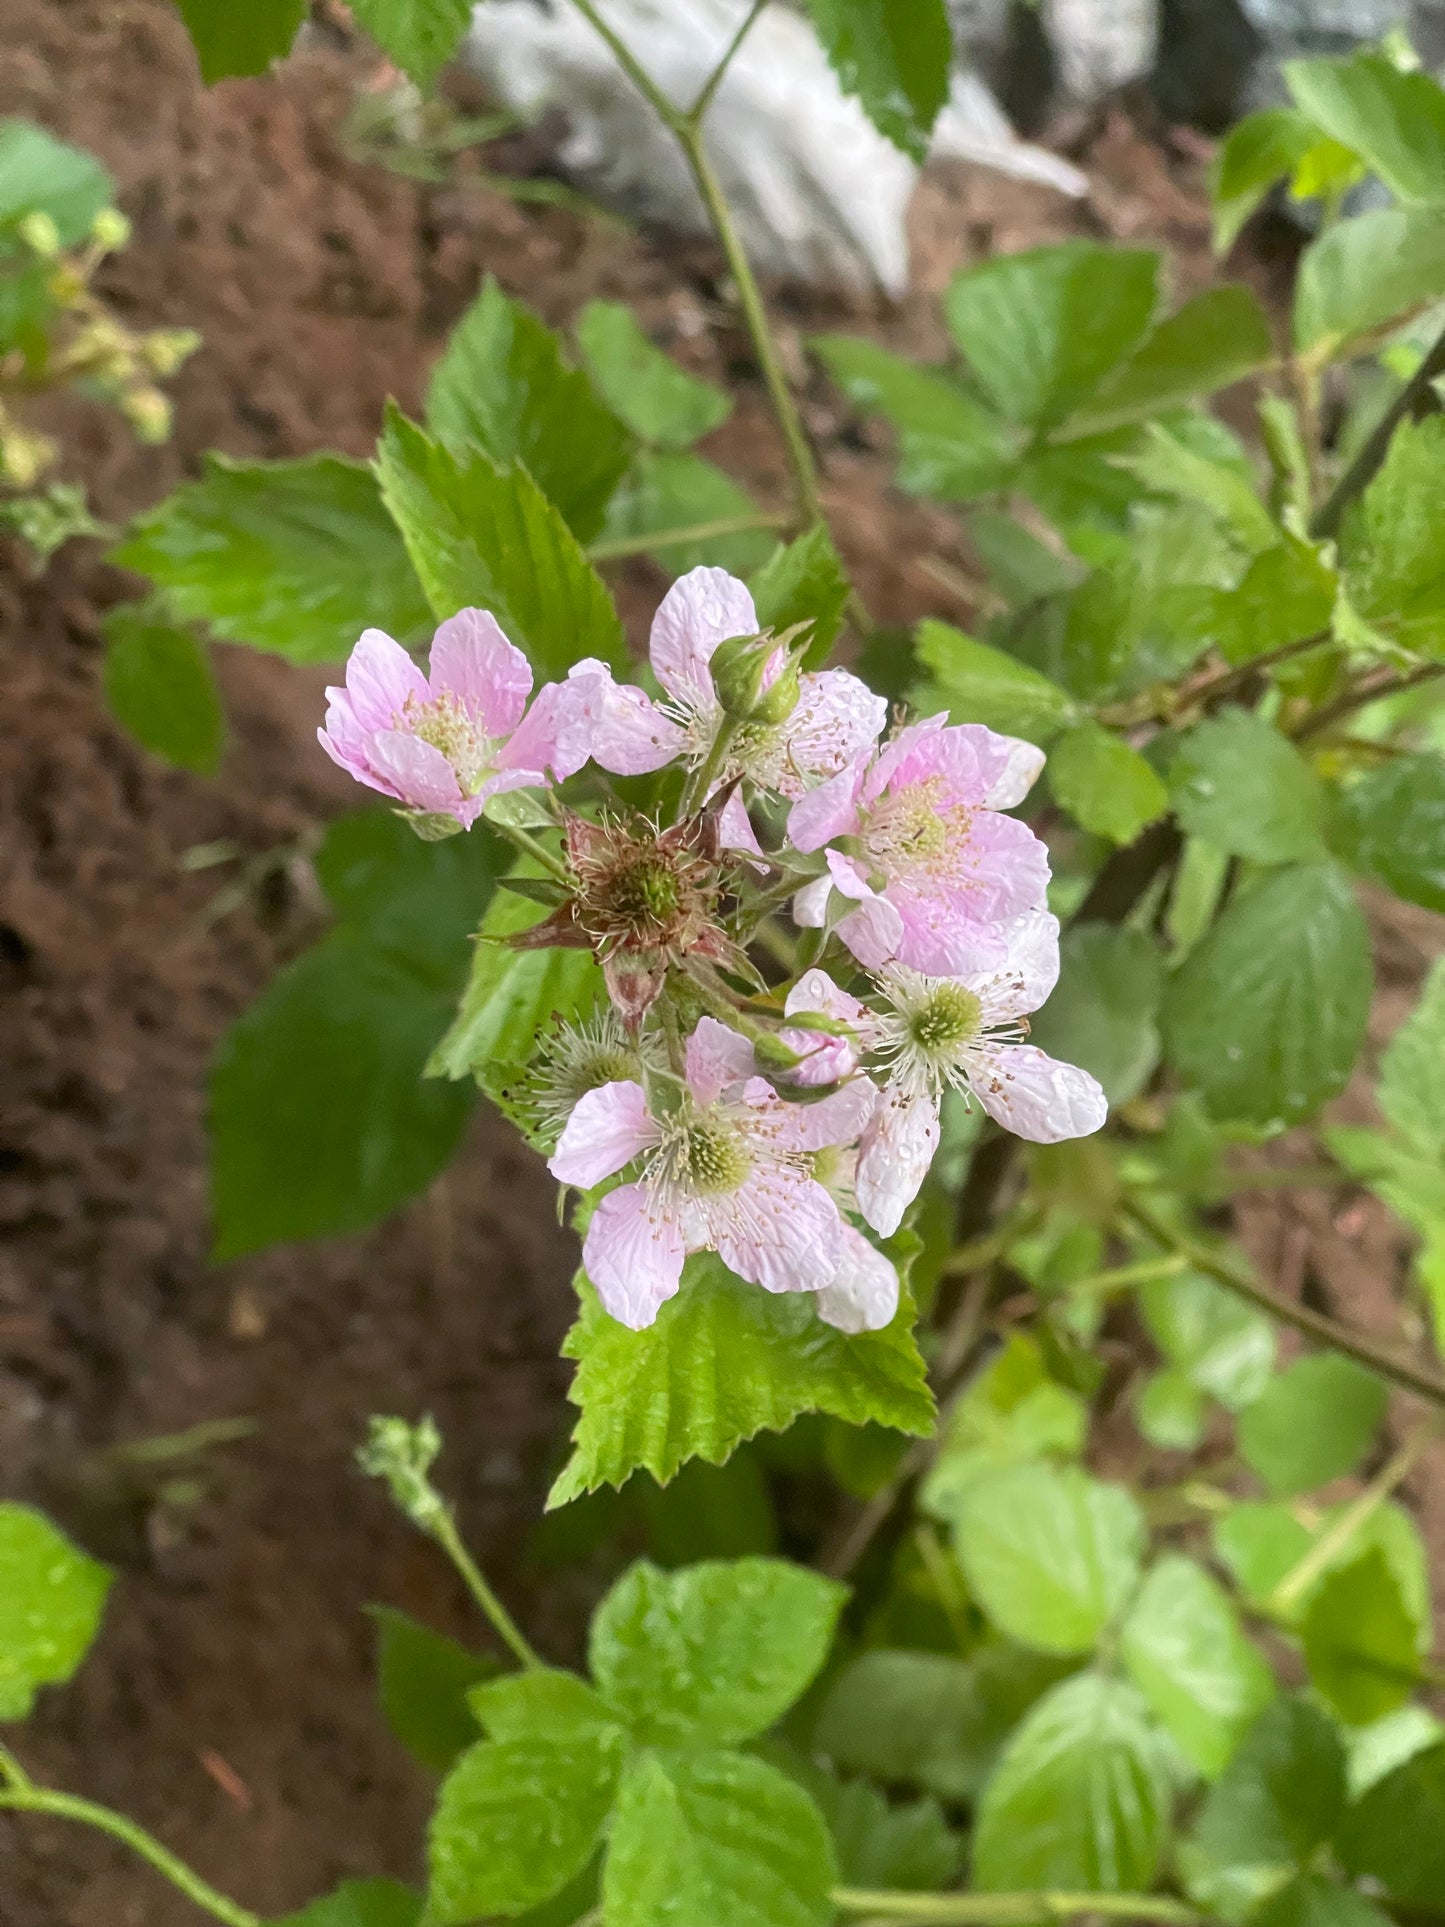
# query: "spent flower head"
[403,1456]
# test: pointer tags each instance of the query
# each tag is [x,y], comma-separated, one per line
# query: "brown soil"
[229,1705]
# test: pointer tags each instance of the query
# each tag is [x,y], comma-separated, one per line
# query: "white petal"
[862,1295]
[700,610]
[810,904]
[735,830]
[1026,978]
[608,1128]
[1035,1096]
[779,1230]
[633,1253]
[1020,772]
[838,718]
[834,1119]
[717,1057]
[815,990]
[898,1146]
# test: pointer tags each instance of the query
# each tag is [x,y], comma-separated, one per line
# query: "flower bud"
[110,229]
[739,674]
[403,1456]
[165,350]
[148,412]
[771,1052]
[40,234]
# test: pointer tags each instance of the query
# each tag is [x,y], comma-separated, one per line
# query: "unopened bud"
[40,234]
[67,285]
[740,676]
[403,1455]
[771,1052]
[24,456]
[166,349]
[110,229]
[148,412]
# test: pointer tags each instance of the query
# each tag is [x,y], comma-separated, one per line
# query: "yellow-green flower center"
[715,1159]
[951,1018]
[445,724]
[908,828]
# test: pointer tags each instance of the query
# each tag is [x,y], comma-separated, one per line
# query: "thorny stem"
[1404,1372]
[22,1795]
[686,129]
[443,1529]
[1416,398]
[1014,1910]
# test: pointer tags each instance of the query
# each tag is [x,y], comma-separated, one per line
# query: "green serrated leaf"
[1184,1648]
[542,1703]
[42,175]
[1391,825]
[361,1903]
[1106,786]
[1396,1833]
[1171,1411]
[1011,1412]
[951,448]
[1049,1553]
[1392,545]
[231,39]
[1394,121]
[895,55]
[160,686]
[1221,1345]
[671,494]
[1168,463]
[487,537]
[1104,1013]
[1218,337]
[1265,1016]
[1081,1797]
[1360,1640]
[51,1599]
[419,35]
[1086,308]
[722,1362]
[1286,594]
[907,1847]
[716,1837]
[1312,1423]
[1263,149]
[1364,273]
[981,684]
[642,386]
[1411,1089]
[1312,1901]
[294,557]
[803,581]
[502,386]
[1239,784]
[423,1679]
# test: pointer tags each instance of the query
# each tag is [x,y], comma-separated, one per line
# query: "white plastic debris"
[818,194]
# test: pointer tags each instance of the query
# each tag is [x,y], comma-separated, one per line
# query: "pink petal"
[380,676]
[942,936]
[835,1119]
[873,932]
[826,1059]
[615,724]
[698,612]
[1029,972]
[735,829]
[717,1058]
[899,752]
[815,990]
[828,811]
[968,758]
[779,1230]
[898,1147]
[633,1253]
[862,1295]
[353,756]
[1006,866]
[838,718]
[509,779]
[423,778]
[1036,1097]
[472,659]
[1018,775]
[608,1128]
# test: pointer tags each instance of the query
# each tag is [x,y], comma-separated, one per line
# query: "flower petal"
[779,1230]
[873,932]
[614,723]
[900,752]
[815,990]
[380,676]
[1029,972]
[835,1119]
[862,1295]
[633,1253]
[837,719]
[608,1128]
[942,937]
[826,1059]
[971,760]
[828,811]
[700,610]
[472,659]
[1035,1096]
[810,904]
[1018,775]
[735,830]
[898,1146]
[717,1057]
[423,778]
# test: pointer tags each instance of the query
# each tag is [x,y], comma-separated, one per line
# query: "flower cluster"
[767,1121]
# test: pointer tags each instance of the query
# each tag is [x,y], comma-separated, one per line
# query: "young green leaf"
[1411,1090]
[160,685]
[1049,1553]
[1396,1833]
[1011,1412]
[51,1599]
[895,55]
[542,1703]
[361,1903]
[642,386]
[1285,595]
[1220,1344]
[240,40]
[1312,1423]
[1260,1542]
[950,446]
[1391,825]
[502,386]
[484,536]
[517,1819]
[981,684]
[1168,462]
[1392,544]
[879,1844]
[1260,151]
[296,557]
[1360,1640]
[1266,1016]
[1104,1013]
[419,35]
[1183,1646]
[927,1719]
[1394,121]
[803,581]
[1081,1797]
[1171,1411]
[1240,785]
[1106,786]
[1088,308]
[1218,337]
[717,1837]
[41,175]
[1312,1901]
[1364,273]
[722,1362]
[423,1679]
[691,514]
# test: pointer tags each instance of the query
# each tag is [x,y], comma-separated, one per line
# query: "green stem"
[1015,1910]
[700,783]
[1148,1271]
[1367,1351]
[697,113]
[23,1796]
[687,131]
[525,841]
[1364,694]
[443,1529]
[1417,397]
[625,545]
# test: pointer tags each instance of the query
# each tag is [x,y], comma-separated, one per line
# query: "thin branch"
[697,113]
[1362,695]
[1367,1351]
[625,545]
[1416,398]
[1228,681]
[444,1530]
[1016,1910]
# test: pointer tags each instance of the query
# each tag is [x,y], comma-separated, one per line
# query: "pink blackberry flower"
[729,1169]
[441,744]
[924,854]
